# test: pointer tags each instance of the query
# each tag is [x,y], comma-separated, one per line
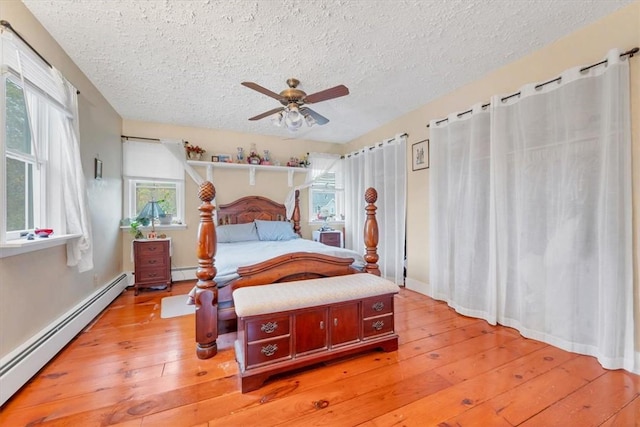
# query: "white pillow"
[275,230]
[231,233]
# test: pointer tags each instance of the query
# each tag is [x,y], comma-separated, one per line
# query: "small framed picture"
[215,158]
[97,163]
[420,155]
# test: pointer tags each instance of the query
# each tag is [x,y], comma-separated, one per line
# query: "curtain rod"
[374,146]
[8,26]
[629,53]
[139,137]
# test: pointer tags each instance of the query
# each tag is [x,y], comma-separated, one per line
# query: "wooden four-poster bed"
[215,312]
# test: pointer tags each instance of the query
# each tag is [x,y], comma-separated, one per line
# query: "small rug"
[175,306]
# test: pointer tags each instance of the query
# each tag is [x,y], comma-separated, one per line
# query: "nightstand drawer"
[154,260]
[151,275]
[151,248]
[331,239]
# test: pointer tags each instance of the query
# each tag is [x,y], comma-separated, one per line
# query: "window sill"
[23,246]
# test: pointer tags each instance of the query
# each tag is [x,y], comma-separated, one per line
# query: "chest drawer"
[376,306]
[268,327]
[268,351]
[375,326]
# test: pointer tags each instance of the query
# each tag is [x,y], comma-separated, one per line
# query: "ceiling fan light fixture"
[277,119]
[309,119]
[292,117]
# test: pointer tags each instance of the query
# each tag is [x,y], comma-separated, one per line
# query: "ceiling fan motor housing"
[292,94]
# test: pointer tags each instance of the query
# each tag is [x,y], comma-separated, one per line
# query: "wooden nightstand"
[152,263]
[329,237]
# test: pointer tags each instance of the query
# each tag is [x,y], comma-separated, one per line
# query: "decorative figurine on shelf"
[240,155]
[304,162]
[266,158]
[253,157]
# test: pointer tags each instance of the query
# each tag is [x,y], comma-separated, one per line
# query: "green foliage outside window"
[19,173]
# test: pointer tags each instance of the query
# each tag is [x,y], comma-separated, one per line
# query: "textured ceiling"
[181,62]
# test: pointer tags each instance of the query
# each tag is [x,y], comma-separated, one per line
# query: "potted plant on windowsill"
[165,217]
[135,229]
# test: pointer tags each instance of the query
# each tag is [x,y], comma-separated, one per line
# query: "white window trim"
[129,198]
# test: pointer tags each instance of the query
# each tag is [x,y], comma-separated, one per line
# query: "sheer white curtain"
[562,175]
[459,217]
[559,238]
[382,167]
[79,251]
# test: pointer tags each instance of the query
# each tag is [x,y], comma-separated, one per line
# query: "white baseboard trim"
[417,286]
[20,365]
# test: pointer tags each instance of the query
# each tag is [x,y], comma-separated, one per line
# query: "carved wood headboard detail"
[247,209]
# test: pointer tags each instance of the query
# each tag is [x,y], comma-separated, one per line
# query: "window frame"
[129,204]
[325,188]
[42,217]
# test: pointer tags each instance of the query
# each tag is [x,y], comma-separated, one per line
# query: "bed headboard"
[249,208]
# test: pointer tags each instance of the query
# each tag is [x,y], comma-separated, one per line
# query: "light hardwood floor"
[132,368]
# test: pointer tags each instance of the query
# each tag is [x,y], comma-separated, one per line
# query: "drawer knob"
[379,306]
[378,325]
[269,327]
[269,350]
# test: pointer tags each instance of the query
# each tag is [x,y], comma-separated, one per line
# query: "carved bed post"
[206,295]
[295,217]
[371,232]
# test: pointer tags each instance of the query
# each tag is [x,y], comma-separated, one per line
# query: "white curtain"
[78,221]
[383,167]
[459,216]
[320,163]
[563,213]
[559,237]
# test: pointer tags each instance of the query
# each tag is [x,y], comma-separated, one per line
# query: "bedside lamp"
[151,211]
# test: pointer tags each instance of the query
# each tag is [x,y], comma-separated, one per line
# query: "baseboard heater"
[23,363]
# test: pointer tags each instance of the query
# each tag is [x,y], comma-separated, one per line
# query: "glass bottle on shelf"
[240,155]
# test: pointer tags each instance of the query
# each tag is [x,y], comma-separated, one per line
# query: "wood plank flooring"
[132,368]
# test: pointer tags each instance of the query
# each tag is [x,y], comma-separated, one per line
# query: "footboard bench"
[285,326]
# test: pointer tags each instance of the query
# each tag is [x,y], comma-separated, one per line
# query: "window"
[169,194]
[30,184]
[326,202]
[151,172]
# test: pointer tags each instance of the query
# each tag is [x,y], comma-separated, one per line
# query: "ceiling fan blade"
[320,119]
[324,95]
[267,113]
[262,90]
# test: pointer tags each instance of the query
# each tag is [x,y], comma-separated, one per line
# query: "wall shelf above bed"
[252,169]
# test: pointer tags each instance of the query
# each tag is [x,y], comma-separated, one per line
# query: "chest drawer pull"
[269,350]
[379,306]
[378,325]
[269,327]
